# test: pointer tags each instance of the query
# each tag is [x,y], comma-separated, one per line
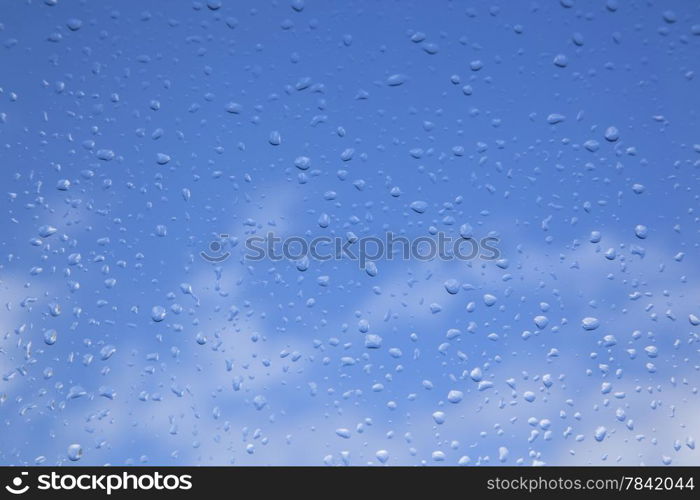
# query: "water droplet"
[561,61]
[302,162]
[46,231]
[641,231]
[590,323]
[455,396]
[419,206]
[396,80]
[162,158]
[612,134]
[158,313]
[275,138]
[541,321]
[74,24]
[50,337]
[600,433]
[75,452]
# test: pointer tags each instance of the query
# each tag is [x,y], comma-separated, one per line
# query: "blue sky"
[140,133]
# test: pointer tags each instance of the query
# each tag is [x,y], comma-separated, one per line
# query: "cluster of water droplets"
[138,141]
